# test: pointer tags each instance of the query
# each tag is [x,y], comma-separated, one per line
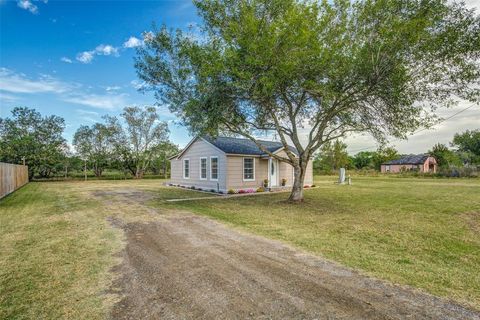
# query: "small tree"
[93,145]
[468,143]
[444,156]
[311,71]
[332,156]
[364,159]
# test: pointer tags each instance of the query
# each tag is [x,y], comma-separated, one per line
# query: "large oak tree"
[313,71]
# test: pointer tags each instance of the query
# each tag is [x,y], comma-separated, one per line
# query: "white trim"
[183,168]
[243,168]
[214,157]
[206,168]
[243,155]
[277,172]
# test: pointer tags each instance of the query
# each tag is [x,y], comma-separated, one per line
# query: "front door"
[273,173]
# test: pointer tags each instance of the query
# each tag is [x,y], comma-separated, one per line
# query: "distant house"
[225,163]
[420,163]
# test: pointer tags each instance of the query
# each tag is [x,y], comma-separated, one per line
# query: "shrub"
[231,191]
[284,182]
[265,183]
[212,190]
[306,186]
[261,189]
[192,187]
[242,191]
[313,186]
[250,191]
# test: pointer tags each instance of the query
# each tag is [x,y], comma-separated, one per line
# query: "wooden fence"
[12,177]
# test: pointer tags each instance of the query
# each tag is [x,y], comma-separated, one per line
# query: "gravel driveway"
[190,267]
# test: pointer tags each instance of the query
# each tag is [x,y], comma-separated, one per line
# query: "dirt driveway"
[189,267]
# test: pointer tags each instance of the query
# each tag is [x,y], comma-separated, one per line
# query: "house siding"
[396,168]
[200,149]
[235,172]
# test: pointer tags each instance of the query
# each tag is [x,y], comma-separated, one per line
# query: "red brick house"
[420,163]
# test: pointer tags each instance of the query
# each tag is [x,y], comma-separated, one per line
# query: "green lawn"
[420,232]
[57,247]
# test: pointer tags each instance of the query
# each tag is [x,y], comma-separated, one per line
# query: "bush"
[261,189]
[284,182]
[231,191]
[212,190]
[242,191]
[265,183]
[313,186]
[306,186]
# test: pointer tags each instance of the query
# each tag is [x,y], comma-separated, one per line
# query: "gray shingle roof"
[244,146]
[410,159]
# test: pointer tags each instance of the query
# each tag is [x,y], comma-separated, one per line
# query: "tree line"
[462,152]
[133,144]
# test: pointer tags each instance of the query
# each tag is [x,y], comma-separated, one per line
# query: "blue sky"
[75,59]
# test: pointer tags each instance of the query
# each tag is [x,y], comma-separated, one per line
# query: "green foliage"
[445,157]
[382,155]
[93,145]
[338,66]
[27,135]
[364,160]
[332,157]
[468,143]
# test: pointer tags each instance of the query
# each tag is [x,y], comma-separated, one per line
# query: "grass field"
[420,232]
[57,247]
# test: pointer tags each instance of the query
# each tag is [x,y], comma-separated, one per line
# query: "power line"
[443,120]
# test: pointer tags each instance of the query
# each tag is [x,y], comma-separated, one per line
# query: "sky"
[74,59]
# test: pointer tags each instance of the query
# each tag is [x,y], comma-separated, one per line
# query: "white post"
[341,178]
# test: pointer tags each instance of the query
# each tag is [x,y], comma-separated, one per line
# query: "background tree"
[311,71]
[93,144]
[138,137]
[364,160]
[384,154]
[160,162]
[37,139]
[332,156]
[444,156]
[468,143]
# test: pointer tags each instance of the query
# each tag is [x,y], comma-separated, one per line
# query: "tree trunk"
[139,173]
[297,190]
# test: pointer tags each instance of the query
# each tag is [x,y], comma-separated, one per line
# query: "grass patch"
[419,232]
[57,247]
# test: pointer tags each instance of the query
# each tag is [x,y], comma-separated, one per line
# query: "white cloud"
[7,97]
[27,5]
[102,49]
[112,88]
[19,83]
[66,60]
[138,84]
[108,101]
[85,57]
[106,50]
[132,42]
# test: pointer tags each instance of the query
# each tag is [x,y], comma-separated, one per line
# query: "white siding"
[198,149]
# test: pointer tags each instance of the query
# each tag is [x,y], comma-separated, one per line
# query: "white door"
[273,173]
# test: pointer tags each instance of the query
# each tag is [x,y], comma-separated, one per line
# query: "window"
[213,168]
[248,169]
[186,168]
[203,168]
